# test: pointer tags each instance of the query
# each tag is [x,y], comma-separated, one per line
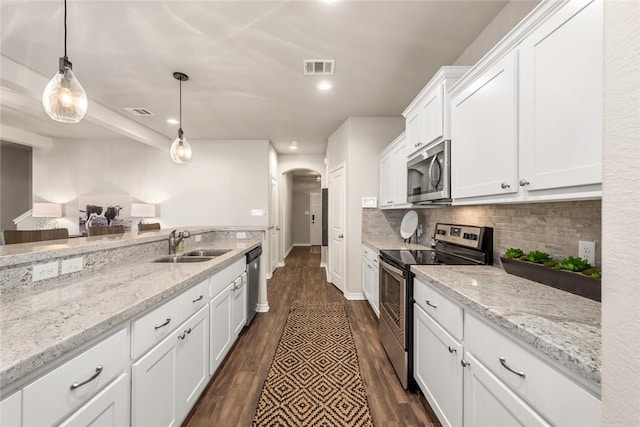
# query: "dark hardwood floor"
[232,396]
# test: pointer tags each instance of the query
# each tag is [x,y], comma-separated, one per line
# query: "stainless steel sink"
[175,259]
[207,252]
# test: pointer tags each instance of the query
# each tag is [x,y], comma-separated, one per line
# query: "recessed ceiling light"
[294,145]
[324,85]
[329,1]
[172,121]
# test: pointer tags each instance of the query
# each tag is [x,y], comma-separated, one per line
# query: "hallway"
[232,396]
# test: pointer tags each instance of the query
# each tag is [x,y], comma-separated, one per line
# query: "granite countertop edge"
[391,244]
[570,358]
[14,371]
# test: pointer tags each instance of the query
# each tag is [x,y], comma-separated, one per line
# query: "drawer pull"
[503,362]
[166,322]
[184,334]
[198,299]
[93,377]
[430,304]
[464,363]
[452,350]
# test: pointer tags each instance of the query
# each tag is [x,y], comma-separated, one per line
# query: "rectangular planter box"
[569,281]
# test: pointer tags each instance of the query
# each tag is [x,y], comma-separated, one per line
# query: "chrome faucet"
[175,239]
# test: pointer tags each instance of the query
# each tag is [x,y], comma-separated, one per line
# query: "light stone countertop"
[563,326]
[40,251]
[392,244]
[46,322]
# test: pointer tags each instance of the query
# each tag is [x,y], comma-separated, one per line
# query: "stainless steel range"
[453,245]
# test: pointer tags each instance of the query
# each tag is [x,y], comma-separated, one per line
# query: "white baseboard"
[354,296]
[302,244]
[323,264]
[288,250]
[269,276]
[281,264]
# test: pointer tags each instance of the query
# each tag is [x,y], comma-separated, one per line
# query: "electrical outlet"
[587,251]
[241,235]
[198,238]
[257,212]
[44,271]
[71,265]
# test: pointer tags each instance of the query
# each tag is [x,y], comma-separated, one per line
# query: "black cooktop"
[406,257]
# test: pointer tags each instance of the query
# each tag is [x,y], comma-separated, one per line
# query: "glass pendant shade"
[63,98]
[180,149]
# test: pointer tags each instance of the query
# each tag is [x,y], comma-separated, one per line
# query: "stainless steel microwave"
[429,175]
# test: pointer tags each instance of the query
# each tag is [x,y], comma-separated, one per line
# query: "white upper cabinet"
[427,117]
[393,174]
[484,135]
[561,99]
[527,119]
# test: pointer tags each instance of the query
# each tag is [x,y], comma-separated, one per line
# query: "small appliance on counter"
[454,245]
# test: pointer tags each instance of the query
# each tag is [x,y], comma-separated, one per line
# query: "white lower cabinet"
[221,338]
[437,368]
[11,410]
[239,312]
[486,378]
[155,386]
[370,278]
[109,408]
[168,380]
[490,403]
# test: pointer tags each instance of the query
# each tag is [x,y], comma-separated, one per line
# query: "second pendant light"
[180,148]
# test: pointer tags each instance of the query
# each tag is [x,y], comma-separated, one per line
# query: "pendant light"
[63,98]
[180,148]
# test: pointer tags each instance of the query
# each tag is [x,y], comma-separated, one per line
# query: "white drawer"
[446,312]
[370,254]
[557,397]
[154,326]
[48,399]
[195,298]
[222,279]
[11,410]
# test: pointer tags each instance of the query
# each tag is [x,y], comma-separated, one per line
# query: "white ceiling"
[244,60]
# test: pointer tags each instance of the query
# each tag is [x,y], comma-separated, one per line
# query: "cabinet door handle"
[430,304]
[340,236]
[184,334]
[452,350]
[198,299]
[504,186]
[166,322]
[464,363]
[75,385]
[523,182]
[503,362]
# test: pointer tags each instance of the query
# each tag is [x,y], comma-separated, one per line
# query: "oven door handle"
[390,268]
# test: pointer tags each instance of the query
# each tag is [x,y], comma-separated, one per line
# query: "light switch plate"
[241,235]
[257,212]
[369,202]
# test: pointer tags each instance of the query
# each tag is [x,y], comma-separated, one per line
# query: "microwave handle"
[431,165]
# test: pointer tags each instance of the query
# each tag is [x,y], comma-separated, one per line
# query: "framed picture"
[98,210]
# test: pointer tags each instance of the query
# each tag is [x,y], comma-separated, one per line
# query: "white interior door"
[315,219]
[337,216]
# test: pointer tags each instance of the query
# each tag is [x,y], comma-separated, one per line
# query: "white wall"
[358,142]
[219,186]
[510,15]
[287,215]
[620,218]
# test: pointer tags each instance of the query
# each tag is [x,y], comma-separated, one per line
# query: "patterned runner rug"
[314,379]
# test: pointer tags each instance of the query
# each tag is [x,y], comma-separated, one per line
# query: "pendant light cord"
[65,29]
[180,104]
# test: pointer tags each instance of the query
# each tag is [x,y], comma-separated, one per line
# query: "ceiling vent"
[139,111]
[319,67]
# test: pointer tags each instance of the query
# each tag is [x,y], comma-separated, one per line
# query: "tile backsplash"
[554,227]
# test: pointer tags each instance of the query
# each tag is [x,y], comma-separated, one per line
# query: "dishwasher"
[253,281]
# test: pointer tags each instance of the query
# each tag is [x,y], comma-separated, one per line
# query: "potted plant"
[572,274]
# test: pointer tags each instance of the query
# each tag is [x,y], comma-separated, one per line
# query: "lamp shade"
[143,210]
[46,210]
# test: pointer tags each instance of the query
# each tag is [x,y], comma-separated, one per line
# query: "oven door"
[393,288]
[429,174]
